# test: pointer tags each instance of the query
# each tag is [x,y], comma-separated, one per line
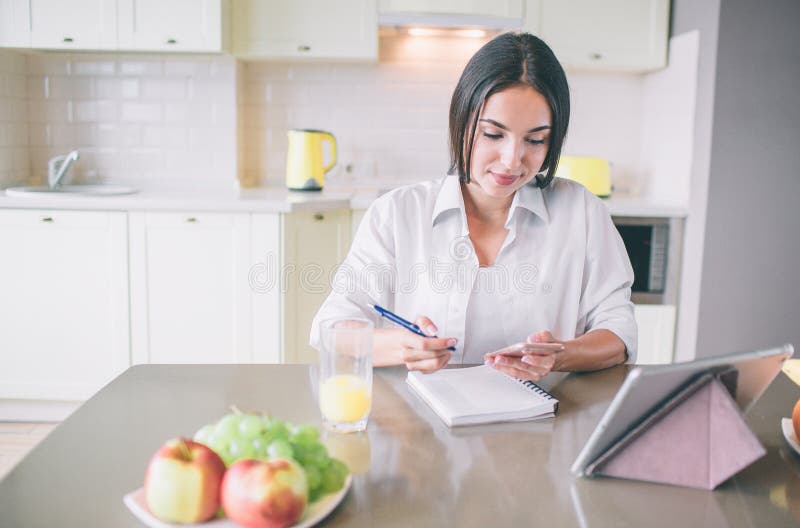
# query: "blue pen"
[408,325]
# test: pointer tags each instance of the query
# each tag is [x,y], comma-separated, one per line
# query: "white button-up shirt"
[562,267]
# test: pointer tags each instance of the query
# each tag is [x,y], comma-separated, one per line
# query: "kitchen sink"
[71,190]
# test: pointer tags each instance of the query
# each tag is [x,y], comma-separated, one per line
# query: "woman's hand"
[530,366]
[395,346]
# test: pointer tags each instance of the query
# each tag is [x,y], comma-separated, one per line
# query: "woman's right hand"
[394,346]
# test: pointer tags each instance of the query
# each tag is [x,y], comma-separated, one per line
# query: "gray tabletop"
[410,469]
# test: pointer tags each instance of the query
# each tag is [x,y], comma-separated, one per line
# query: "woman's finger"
[426,325]
[518,373]
[411,355]
[427,366]
[524,365]
[543,336]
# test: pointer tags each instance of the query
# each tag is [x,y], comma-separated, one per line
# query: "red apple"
[264,493]
[182,482]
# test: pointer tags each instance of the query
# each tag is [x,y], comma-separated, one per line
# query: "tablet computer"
[647,388]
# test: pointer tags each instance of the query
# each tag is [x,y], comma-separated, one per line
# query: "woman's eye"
[492,136]
[536,141]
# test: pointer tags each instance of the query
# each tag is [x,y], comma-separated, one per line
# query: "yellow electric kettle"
[304,164]
[592,173]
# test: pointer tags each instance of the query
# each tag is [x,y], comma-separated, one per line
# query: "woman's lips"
[503,179]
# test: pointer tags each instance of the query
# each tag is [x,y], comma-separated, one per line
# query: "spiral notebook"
[479,395]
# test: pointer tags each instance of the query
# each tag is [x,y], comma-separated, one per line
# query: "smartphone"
[520,349]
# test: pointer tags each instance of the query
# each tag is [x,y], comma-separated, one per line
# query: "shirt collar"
[449,197]
[527,197]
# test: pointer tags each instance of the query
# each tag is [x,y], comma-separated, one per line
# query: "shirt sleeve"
[367,275]
[607,279]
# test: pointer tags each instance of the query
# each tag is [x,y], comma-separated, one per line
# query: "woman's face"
[511,141]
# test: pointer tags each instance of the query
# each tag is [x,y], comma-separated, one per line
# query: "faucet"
[57,167]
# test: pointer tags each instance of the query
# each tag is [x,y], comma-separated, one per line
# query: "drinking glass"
[345,374]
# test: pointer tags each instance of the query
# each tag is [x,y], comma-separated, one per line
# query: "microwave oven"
[653,246]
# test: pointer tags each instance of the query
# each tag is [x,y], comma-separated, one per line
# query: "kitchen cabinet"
[64,302]
[314,244]
[613,35]
[77,24]
[656,324]
[177,25]
[305,29]
[484,8]
[15,24]
[189,294]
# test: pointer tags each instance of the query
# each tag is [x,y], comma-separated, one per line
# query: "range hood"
[448,21]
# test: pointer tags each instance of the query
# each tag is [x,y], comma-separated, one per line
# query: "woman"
[498,251]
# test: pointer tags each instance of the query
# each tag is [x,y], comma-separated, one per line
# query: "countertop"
[275,199]
[409,468]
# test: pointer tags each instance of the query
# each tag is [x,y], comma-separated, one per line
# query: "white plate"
[788,434]
[315,512]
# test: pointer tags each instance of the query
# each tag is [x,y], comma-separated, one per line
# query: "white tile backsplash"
[172,121]
[129,115]
[14,162]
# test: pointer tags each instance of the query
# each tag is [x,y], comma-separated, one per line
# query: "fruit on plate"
[264,493]
[238,436]
[182,482]
[796,419]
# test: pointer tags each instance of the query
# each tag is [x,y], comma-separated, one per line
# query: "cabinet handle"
[191,220]
[595,56]
[68,40]
[303,48]
[319,217]
[47,219]
[172,41]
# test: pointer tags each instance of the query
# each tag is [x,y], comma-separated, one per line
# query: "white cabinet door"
[74,24]
[64,303]
[15,29]
[622,35]
[656,324]
[492,8]
[189,290]
[174,25]
[297,29]
[265,287]
[314,244]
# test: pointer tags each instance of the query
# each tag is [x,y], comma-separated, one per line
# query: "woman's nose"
[511,155]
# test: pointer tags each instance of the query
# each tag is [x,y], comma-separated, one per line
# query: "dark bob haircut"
[508,60]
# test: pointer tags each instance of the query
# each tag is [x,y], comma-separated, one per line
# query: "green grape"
[241,448]
[250,426]
[280,449]
[204,434]
[277,430]
[260,446]
[227,457]
[228,425]
[304,435]
[318,456]
[314,477]
[314,494]
[219,442]
[332,478]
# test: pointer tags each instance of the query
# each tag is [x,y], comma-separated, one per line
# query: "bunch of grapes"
[236,436]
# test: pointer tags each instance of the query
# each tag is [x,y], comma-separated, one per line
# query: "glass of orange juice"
[345,374]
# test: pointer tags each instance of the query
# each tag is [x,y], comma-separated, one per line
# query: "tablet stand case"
[698,438]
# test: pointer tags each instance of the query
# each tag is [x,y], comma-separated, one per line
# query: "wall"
[144,120]
[701,16]
[390,118]
[14,165]
[750,296]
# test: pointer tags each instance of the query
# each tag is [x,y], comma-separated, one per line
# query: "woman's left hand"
[530,366]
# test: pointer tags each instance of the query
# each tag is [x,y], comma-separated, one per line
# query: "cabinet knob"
[303,48]
[191,220]
[172,41]
[595,56]
[318,217]
[47,219]
[68,40]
